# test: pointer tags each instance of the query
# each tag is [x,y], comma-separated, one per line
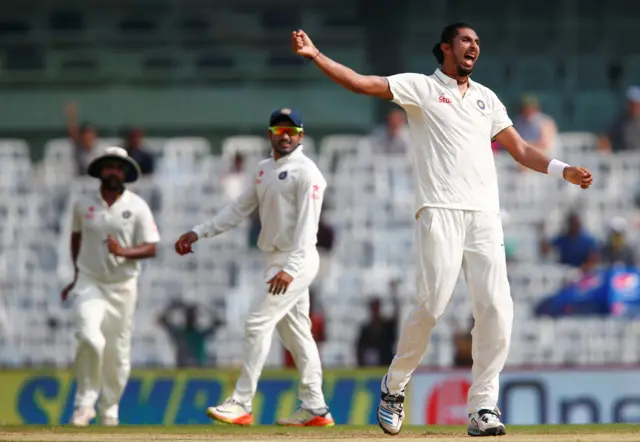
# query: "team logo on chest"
[90,213]
[444,99]
[481,104]
[282,175]
[126,214]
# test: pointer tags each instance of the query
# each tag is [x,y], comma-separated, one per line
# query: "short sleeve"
[499,116]
[76,218]
[404,88]
[146,228]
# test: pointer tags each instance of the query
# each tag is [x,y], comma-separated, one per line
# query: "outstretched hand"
[579,176]
[302,45]
[183,245]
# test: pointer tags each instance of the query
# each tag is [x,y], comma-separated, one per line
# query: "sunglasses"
[289,130]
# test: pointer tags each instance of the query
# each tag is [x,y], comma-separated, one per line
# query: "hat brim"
[131,168]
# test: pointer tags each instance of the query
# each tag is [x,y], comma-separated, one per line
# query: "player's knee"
[93,339]
[255,327]
[427,315]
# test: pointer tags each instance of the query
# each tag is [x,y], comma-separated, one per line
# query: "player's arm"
[145,239]
[71,112]
[76,242]
[531,157]
[371,85]
[309,196]
[229,217]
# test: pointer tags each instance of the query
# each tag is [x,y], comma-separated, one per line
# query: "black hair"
[448,34]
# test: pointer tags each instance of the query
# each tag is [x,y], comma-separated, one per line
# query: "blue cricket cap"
[289,114]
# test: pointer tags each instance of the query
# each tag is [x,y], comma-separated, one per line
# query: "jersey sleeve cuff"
[507,126]
[200,231]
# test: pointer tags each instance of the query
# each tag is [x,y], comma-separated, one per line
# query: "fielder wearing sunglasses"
[287,189]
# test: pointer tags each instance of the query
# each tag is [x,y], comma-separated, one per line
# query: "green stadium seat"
[589,73]
[594,111]
[535,72]
[66,21]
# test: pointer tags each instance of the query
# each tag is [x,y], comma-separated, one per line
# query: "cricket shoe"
[485,423]
[304,417]
[109,421]
[82,416]
[230,412]
[390,410]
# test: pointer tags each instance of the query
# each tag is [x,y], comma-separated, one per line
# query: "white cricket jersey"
[288,193]
[451,140]
[129,220]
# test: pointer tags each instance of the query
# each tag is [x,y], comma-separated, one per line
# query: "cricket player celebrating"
[452,121]
[288,190]
[112,230]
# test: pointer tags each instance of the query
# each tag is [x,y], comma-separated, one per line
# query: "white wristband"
[556,168]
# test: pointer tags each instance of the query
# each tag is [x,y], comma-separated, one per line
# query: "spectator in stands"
[83,137]
[134,144]
[317,327]
[189,339]
[393,137]
[536,128]
[462,347]
[625,133]
[234,181]
[378,336]
[575,247]
[616,250]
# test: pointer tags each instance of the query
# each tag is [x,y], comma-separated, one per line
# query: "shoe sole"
[385,430]
[497,431]
[225,420]
[282,424]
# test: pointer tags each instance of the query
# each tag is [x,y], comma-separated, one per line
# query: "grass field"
[552,433]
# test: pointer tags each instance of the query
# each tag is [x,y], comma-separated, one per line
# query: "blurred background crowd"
[186,86]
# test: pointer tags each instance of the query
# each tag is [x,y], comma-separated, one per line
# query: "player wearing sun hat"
[112,230]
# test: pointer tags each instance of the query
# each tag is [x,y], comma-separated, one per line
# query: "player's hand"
[71,110]
[183,245]
[579,176]
[302,45]
[64,294]
[279,284]
[114,246]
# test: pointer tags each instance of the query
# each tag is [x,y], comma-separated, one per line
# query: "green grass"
[342,430]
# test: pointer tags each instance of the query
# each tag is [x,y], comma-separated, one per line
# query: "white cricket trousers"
[103,316]
[289,315]
[448,240]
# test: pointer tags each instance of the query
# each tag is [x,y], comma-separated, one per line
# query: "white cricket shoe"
[485,423]
[82,416]
[304,417]
[230,412]
[108,421]
[390,410]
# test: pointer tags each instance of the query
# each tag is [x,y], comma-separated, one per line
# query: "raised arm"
[371,85]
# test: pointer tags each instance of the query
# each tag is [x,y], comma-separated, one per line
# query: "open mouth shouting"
[469,59]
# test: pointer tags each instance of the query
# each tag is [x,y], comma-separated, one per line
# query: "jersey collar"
[448,81]
[296,153]
[126,195]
